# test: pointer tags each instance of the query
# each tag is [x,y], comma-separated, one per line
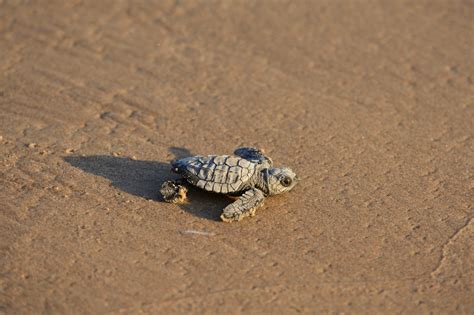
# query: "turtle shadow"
[179,153]
[144,178]
[139,178]
[205,204]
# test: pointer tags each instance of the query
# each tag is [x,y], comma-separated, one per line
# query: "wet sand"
[370,102]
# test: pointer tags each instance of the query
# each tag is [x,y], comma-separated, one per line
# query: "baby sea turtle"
[248,174]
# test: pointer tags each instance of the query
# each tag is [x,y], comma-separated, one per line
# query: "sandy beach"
[370,102]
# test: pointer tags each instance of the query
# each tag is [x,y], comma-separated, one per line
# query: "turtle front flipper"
[245,206]
[254,155]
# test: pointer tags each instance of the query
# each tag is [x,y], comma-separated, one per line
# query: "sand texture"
[370,102]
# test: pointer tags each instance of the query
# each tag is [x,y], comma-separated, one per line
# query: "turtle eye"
[286,181]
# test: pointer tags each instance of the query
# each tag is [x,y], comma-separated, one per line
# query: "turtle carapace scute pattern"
[248,174]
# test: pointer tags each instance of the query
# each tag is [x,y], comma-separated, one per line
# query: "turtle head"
[280,180]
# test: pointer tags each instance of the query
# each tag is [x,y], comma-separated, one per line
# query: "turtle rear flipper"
[173,192]
[245,206]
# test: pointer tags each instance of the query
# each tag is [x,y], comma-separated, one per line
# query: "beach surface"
[370,102]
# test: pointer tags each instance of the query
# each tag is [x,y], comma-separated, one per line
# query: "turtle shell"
[220,174]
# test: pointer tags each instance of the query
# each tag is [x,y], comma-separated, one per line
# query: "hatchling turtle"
[248,174]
